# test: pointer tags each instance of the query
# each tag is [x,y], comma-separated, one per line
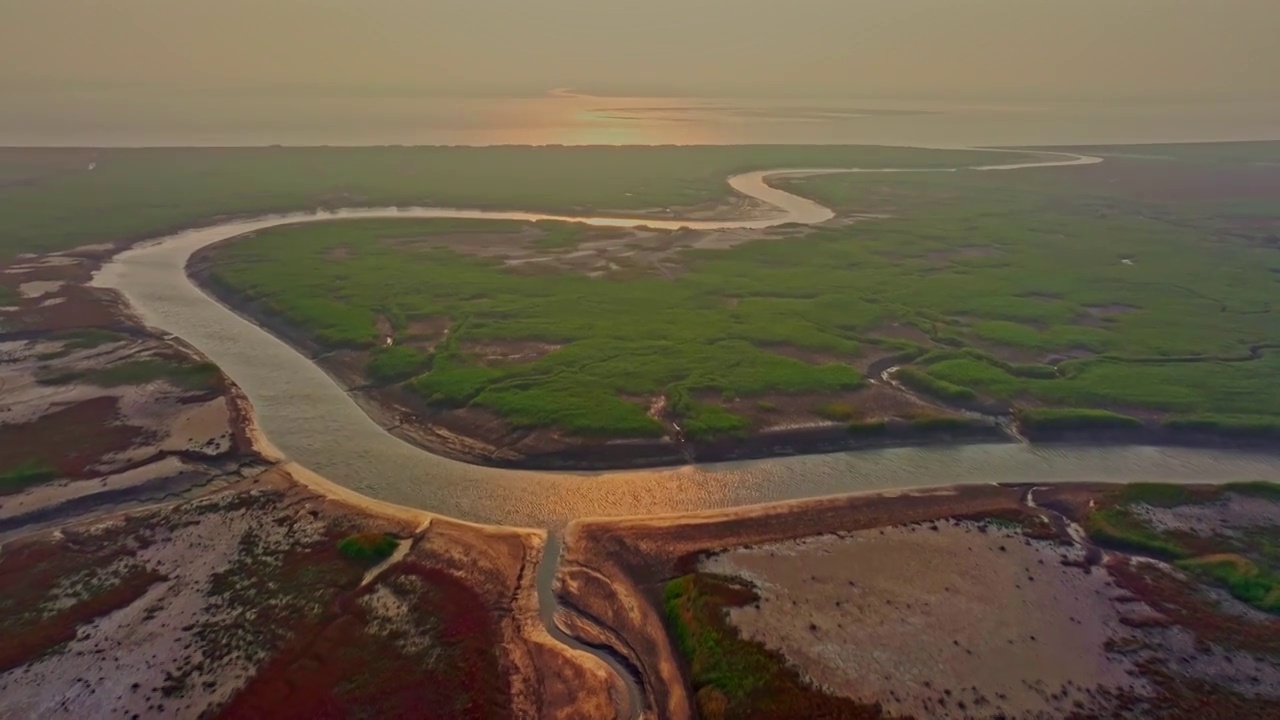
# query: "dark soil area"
[340,667]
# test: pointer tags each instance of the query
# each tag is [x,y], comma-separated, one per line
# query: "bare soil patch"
[72,439]
[813,357]
[949,255]
[901,331]
[935,621]
[428,328]
[477,244]
[1111,310]
[508,352]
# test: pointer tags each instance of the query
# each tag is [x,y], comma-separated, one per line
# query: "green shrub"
[89,338]
[1241,577]
[396,363]
[454,386]
[703,421]
[1119,527]
[1256,488]
[717,658]
[1075,419]
[936,356]
[182,374]
[368,547]
[1161,495]
[24,476]
[1248,426]
[930,385]
[869,428]
[838,411]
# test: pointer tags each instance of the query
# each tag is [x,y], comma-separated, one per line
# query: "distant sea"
[122,117]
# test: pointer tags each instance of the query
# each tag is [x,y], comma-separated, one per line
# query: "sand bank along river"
[315,423]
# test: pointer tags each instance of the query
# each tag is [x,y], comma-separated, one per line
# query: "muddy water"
[313,421]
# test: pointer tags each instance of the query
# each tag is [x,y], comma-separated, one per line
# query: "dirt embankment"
[1151,433]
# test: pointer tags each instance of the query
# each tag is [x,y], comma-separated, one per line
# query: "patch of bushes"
[934,357]
[733,678]
[1256,488]
[24,476]
[704,421]
[1247,426]
[869,428]
[1052,419]
[89,338]
[397,362]
[917,379]
[1166,495]
[187,376]
[1023,370]
[838,411]
[368,547]
[1241,577]
[1118,527]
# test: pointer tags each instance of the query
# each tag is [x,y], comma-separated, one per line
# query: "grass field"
[51,200]
[1142,287]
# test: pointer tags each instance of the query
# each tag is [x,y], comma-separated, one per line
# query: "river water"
[313,421]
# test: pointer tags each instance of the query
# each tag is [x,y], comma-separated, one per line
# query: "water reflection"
[131,116]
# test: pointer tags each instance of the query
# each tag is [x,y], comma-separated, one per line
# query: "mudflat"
[1079,600]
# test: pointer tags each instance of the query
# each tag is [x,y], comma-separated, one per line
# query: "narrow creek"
[632,704]
[315,423]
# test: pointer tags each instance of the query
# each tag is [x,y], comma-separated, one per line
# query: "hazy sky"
[870,48]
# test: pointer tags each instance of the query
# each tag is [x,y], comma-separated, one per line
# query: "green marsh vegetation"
[194,376]
[28,474]
[1075,419]
[398,362]
[1083,291]
[51,201]
[1245,562]
[733,677]
[368,547]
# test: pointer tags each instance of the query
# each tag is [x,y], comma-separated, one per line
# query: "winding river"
[313,421]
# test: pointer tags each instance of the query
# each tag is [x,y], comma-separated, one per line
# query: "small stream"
[631,705]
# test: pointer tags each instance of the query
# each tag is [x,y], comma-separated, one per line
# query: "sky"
[951,49]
